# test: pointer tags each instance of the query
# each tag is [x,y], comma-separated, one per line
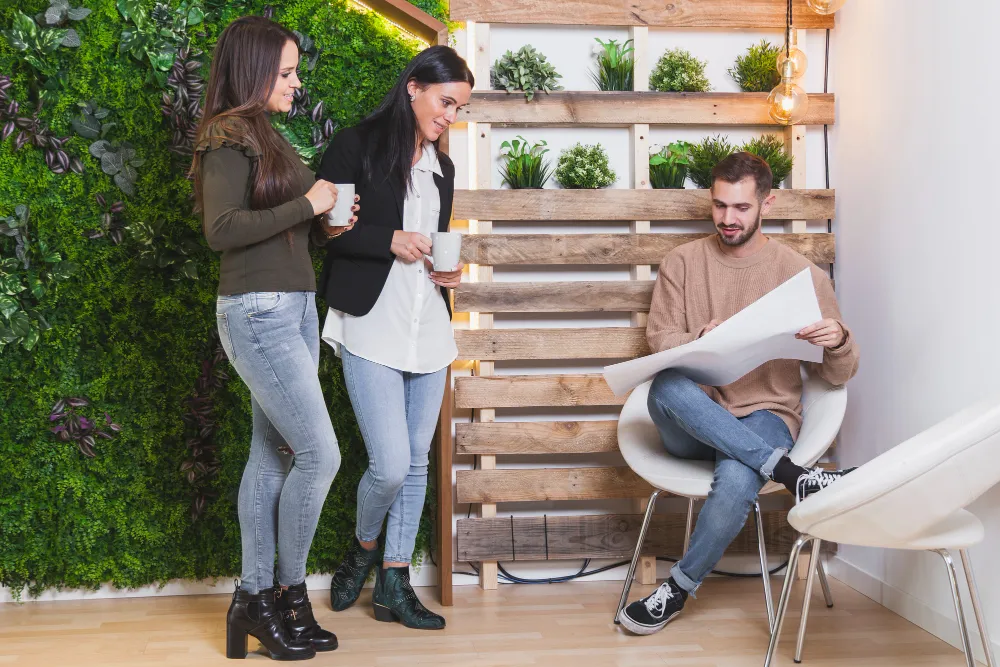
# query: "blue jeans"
[745,451]
[272,340]
[397,412]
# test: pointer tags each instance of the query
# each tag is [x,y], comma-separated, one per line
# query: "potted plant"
[668,166]
[615,65]
[524,164]
[584,167]
[527,71]
[772,150]
[712,150]
[755,71]
[679,72]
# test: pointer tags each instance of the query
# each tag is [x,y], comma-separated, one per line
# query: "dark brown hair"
[244,70]
[738,166]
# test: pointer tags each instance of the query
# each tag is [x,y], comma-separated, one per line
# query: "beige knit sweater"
[697,283]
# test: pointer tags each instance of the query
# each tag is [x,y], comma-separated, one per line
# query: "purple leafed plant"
[79,429]
[202,464]
[182,105]
[112,221]
[31,130]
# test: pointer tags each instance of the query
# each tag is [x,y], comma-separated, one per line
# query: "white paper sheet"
[763,331]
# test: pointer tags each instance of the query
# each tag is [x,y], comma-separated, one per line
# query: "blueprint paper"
[763,331]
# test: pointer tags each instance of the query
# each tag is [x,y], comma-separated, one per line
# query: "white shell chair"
[911,497]
[823,408]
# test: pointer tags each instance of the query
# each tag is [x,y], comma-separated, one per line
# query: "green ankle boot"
[394,600]
[350,577]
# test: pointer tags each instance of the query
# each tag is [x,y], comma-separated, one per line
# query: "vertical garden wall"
[122,434]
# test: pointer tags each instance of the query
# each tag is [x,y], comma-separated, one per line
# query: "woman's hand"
[409,246]
[334,232]
[449,279]
[323,196]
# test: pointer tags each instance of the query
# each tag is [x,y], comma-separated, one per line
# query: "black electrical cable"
[826,133]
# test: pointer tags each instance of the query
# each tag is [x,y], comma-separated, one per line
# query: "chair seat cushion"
[959,530]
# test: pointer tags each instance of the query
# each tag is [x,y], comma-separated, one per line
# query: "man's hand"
[708,327]
[825,333]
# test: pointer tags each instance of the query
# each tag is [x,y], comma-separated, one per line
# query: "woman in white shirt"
[390,318]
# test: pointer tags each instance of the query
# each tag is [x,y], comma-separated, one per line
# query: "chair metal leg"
[638,550]
[786,593]
[764,572]
[807,598]
[827,594]
[957,595]
[976,608]
[687,526]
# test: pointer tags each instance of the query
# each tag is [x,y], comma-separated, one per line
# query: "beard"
[740,239]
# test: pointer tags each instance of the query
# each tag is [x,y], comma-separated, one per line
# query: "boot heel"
[384,614]
[236,643]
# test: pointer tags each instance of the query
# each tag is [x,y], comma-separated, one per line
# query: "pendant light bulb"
[793,53]
[788,103]
[825,6]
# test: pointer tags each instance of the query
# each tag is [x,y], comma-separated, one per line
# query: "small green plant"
[679,72]
[757,70]
[584,167]
[712,150]
[36,43]
[524,164]
[668,167]
[158,252]
[705,155]
[120,161]
[772,150]
[90,123]
[156,36]
[25,278]
[615,65]
[59,14]
[527,71]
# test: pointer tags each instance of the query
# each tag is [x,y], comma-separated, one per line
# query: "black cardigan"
[357,262]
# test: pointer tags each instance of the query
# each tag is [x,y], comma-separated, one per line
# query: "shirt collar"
[429,160]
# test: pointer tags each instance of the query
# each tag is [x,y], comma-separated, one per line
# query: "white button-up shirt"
[408,328]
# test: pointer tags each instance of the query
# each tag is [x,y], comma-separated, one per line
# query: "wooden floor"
[565,624]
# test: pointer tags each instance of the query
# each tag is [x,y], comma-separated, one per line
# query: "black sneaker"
[651,613]
[816,480]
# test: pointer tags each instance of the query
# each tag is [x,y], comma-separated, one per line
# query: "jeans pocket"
[222,322]
[264,303]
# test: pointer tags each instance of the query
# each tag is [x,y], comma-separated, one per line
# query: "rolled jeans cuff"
[683,580]
[767,470]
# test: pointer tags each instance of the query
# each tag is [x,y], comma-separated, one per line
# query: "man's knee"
[736,481]
[667,388]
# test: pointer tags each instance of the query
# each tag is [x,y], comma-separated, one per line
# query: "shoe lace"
[655,602]
[817,477]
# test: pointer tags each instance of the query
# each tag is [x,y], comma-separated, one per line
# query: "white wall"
[915,154]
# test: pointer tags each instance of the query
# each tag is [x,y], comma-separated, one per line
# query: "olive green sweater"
[257,256]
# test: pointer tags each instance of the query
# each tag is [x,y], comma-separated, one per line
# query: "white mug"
[340,215]
[446,250]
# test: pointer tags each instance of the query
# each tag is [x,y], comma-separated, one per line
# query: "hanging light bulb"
[825,6]
[791,51]
[788,103]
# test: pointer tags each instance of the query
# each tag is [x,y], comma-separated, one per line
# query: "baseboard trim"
[916,611]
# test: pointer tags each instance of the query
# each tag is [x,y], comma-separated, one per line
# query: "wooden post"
[484,274]
[639,139]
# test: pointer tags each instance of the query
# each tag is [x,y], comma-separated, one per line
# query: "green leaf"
[51,39]
[8,305]
[20,324]
[16,39]
[132,10]
[6,335]
[72,39]
[111,162]
[78,13]
[63,270]
[129,173]
[30,339]
[55,13]
[35,285]
[164,59]
[125,185]
[24,24]
[99,148]
[11,285]
[195,16]
[87,126]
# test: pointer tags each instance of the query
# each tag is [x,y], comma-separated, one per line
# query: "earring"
[412,97]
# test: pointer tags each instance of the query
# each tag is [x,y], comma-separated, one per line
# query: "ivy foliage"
[129,327]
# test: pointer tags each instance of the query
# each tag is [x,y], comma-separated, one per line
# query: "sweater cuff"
[305,208]
[845,345]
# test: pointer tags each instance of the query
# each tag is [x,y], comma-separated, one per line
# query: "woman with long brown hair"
[261,206]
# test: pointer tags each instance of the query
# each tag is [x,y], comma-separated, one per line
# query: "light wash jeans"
[397,412]
[272,339]
[745,451]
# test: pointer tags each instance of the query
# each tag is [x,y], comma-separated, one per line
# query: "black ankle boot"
[351,575]
[258,615]
[297,613]
[394,600]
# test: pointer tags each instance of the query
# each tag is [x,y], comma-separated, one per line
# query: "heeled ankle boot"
[394,600]
[258,615]
[297,613]
[351,575]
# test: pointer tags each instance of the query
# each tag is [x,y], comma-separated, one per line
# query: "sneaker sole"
[640,629]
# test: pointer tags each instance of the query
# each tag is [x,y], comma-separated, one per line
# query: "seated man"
[747,427]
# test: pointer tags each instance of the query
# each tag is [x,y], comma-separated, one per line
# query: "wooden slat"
[411,19]
[567,437]
[561,297]
[518,391]
[558,204]
[600,536]
[445,507]
[620,109]
[517,484]
[745,14]
[593,343]
[585,249]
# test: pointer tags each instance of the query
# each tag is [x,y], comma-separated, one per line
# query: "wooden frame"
[623,109]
